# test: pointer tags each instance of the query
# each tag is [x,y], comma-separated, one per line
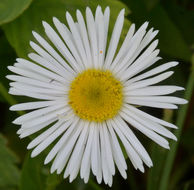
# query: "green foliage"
[9,173]
[10,9]
[31,174]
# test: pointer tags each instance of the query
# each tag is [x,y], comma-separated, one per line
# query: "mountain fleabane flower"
[89,95]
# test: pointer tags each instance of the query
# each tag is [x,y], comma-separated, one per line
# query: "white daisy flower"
[88,93]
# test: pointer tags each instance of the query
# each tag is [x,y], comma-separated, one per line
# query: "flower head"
[88,93]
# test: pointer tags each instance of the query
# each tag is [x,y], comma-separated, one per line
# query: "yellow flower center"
[95,95]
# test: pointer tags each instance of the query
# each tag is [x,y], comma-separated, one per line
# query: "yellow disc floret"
[95,95]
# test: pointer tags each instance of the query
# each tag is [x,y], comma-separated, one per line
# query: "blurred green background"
[174,169]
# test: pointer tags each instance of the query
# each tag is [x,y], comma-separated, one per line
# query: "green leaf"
[9,173]
[31,174]
[171,41]
[19,32]
[7,56]
[10,9]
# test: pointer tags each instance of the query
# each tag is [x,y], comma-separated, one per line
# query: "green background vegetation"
[174,169]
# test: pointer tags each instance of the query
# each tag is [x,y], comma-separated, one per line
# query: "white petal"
[24,132]
[58,67]
[84,36]
[61,142]
[32,105]
[149,81]
[76,156]
[36,113]
[131,49]
[87,153]
[150,117]
[133,140]
[132,154]
[62,126]
[165,99]
[51,115]
[108,149]
[92,35]
[154,71]
[77,38]
[51,50]
[114,39]
[124,46]
[117,153]
[149,133]
[150,104]
[150,124]
[68,38]
[56,40]
[153,90]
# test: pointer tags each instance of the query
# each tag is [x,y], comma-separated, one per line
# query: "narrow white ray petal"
[100,37]
[51,115]
[140,63]
[77,38]
[150,124]
[76,157]
[117,153]
[58,67]
[14,91]
[30,88]
[49,48]
[153,104]
[62,126]
[62,141]
[114,39]
[104,161]
[106,25]
[36,113]
[125,129]
[108,149]
[98,10]
[150,117]
[149,133]
[132,154]
[45,63]
[154,71]
[67,37]
[27,73]
[87,174]
[32,105]
[45,134]
[92,35]
[24,132]
[162,99]
[150,81]
[153,90]
[94,153]
[134,43]
[84,36]
[145,41]
[56,40]
[124,46]
[68,148]
[77,153]
[34,82]
[99,174]
[110,181]
[87,153]
[38,69]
